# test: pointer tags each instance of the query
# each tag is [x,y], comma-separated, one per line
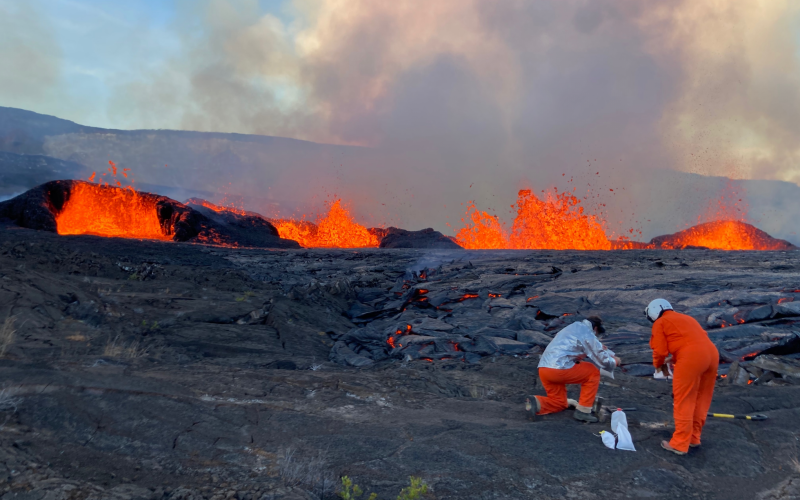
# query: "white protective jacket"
[574,340]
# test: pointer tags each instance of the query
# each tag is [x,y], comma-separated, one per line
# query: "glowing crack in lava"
[336,230]
[556,223]
[109,211]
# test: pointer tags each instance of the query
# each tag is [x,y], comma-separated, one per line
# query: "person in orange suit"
[695,360]
[574,356]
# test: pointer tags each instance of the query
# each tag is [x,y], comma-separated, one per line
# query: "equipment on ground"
[757,416]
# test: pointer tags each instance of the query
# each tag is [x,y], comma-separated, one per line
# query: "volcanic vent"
[79,207]
[722,235]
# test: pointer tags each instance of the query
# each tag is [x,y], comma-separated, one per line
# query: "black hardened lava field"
[163,370]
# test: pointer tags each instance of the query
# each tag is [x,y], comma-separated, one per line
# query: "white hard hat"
[655,308]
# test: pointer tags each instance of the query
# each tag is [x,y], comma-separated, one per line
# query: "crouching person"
[574,356]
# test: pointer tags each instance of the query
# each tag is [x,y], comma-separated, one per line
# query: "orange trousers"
[692,389]
[555,383]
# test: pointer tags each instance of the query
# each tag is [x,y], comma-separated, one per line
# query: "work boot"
[666,446]
[584,416]
[534,408]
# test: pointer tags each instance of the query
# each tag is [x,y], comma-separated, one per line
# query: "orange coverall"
[696,360]
[554,382]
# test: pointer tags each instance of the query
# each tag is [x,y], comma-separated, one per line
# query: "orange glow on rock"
[219,208]
[725,226]
[109,211]
[723,235]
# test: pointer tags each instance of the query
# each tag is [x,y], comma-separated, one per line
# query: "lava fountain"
[112,211]
[556,223]
[336,229]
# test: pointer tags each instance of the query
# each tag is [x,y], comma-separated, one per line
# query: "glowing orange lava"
[723,235]
[486,231]
[219,208]
[556,223]
[724,225]
[109,211]
[336,230]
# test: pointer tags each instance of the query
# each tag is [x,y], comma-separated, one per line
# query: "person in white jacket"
[574,356]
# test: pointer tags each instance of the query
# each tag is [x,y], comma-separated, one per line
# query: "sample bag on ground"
[619,426]
[609,439]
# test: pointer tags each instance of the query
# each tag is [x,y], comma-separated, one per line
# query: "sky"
[505,93]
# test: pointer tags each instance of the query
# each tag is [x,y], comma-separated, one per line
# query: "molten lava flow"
[109,211]
[556,223]
[219,208]
[336,230]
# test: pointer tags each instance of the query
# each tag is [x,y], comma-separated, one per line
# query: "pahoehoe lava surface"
[146,369]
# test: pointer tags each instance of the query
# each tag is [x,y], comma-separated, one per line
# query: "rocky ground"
[167,370]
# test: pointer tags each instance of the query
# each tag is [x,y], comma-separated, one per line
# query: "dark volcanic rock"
[393,237]
[38,208]
[247,229]
[149,370]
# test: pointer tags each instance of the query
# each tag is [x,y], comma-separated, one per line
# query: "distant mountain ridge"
[182,163]
[23,132]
